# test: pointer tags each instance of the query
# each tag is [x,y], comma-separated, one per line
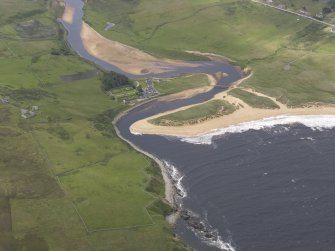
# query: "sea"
[263,188]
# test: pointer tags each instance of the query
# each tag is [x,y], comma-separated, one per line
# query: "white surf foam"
[177,178]
[216,240]
[136,133]
[222,245]
[315,122]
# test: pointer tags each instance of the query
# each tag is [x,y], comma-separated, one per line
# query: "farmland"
[67,181]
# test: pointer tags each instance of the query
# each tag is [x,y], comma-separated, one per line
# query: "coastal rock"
[185,215]
[209,235]
[197,225]
[179,192]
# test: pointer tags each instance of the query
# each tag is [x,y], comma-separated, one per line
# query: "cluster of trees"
[329,8]
[112,80]
[325,10]
[62,50]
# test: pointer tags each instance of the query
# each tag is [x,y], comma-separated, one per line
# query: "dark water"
[267,190]
[262,190]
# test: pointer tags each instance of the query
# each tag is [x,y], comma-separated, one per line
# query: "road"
[294,13]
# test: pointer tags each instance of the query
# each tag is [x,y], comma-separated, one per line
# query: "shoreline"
[134,61]
[170,189]
[245,113]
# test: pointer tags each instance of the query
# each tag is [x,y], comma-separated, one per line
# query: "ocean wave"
[315,122]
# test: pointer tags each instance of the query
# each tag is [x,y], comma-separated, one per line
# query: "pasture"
[67,181]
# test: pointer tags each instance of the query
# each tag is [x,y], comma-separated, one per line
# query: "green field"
[67,181]
[195,114]
[252,99]
[173,85]
[291,59]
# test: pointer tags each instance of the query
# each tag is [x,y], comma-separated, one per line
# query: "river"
[257,190]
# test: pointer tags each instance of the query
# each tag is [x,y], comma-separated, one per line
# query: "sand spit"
[127,58]
[243,114]
[68,14]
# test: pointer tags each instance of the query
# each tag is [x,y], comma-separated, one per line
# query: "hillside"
[286,53]
[67,181]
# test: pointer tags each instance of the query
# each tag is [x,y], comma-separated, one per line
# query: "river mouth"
[262,190]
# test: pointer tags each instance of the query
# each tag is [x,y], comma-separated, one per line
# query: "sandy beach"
[127,58]
[244,113]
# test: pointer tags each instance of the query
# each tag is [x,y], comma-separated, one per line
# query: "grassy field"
[292,59]
[173,85]
[67,181]
[252,99]
[195,114]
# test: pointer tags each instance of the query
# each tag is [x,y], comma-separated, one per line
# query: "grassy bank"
[252,99]
[67,181]
[174,85]
[195,114]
